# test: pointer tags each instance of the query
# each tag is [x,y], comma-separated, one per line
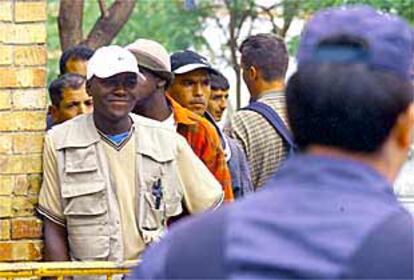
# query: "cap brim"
[191,67]
[140,76]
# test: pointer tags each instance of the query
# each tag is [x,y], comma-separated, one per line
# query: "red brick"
[6,251]
[26,228]
[11,77]
[21,250]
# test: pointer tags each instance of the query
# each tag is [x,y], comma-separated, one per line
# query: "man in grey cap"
[330,212]
[113,179]
[153,103]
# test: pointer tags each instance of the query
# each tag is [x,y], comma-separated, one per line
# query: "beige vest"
[88,196]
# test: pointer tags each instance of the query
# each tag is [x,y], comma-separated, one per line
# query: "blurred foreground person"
[112,179]
[330,211]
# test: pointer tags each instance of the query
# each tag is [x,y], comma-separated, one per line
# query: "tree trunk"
[232,43]
[108,26]
[290,10]
[238,87]
[70,23]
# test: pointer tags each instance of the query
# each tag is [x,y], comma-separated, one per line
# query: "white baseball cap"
[111,60]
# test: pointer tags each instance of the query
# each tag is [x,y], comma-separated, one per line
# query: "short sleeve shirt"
[201,189]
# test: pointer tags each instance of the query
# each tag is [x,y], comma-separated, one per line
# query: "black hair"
[218,81]
[348,106]
[81,52]
[266,52]
[69,80]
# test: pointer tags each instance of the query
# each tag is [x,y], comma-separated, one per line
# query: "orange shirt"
[205,142]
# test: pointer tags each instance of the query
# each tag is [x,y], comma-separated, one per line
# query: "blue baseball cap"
[186,61]
[358,34]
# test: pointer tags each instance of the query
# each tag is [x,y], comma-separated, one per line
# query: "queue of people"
[299,185]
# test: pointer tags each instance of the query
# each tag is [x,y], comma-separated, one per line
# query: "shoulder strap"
[274,119]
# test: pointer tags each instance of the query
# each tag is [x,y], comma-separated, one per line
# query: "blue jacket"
[318,217]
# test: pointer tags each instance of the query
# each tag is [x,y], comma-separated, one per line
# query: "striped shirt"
[263,146]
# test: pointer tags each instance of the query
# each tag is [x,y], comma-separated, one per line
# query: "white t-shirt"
[170,123]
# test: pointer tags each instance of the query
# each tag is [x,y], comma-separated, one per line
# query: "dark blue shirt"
[319,217]
[241,180]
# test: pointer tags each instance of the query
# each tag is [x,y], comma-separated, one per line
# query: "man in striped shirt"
[264,61]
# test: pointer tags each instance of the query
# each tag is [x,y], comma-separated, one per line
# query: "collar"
[223,138]
[336,172]
[79,132]
[118,146]
[267,94]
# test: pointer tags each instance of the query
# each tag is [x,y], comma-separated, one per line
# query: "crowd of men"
[298,185]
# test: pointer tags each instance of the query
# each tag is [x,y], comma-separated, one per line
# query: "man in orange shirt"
[153,103]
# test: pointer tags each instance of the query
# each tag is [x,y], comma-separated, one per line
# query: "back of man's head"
[267,53]
[346,106]
[76,53]
[352,82]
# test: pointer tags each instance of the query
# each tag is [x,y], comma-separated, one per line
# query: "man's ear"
[54,112]
[404,127]
[252,72]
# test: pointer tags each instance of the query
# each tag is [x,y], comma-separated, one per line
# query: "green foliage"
[53,44]
[168,22]
[292,45]
[403,8]
[165,21]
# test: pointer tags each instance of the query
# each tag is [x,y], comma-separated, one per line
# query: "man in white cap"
[111,178]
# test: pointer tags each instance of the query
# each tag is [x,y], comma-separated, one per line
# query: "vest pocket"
[160,197]
[89,243]
[160,179]
[173,205]
[155,215]
[154,211]
[85,203]
[152,215]
[86,215]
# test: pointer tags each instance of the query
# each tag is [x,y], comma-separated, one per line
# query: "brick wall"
[22,123]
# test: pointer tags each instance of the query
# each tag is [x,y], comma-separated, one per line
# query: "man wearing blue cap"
[330,211]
